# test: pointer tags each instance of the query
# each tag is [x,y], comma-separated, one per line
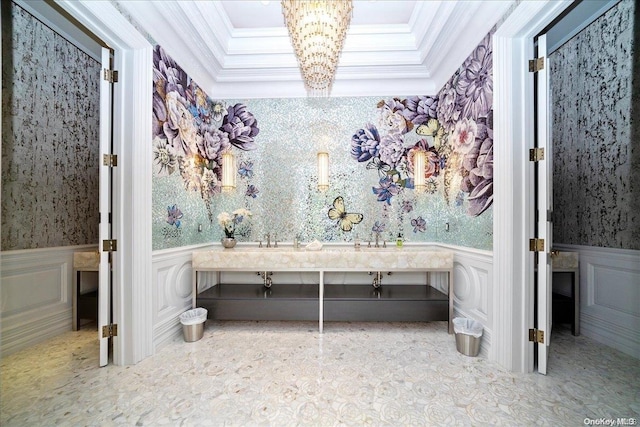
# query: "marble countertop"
[88,261]
[329,258]
[565,261]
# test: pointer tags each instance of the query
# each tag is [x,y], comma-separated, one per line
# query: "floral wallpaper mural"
[455,130]
[191,131]
[371,142]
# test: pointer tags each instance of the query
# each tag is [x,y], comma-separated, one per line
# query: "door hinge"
[536,154]
[110,160]
[110,331]
[109,245]
[536,65]
[536,336]
[536,245]
[110,75]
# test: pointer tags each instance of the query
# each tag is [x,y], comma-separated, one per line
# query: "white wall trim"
[132,279]
[513,180]
[609,310]
[37,292]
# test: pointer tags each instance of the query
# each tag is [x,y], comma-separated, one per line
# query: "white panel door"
[544,206]
[104,276]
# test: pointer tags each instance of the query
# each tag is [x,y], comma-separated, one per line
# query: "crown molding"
[421,54]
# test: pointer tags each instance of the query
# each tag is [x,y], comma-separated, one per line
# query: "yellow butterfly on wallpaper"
[345,220]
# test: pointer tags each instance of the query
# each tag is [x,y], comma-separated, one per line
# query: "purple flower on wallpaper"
[168,76]
[478,181]
[392,149]
[391,116]
[159,115]
[241,126]
[419,224]
[213,142]
[464,135]
[364,143]
[407,206]
[378,227]
[420,109]
[245,170]
[174,215]
[475,84]
[386,190]
[252,191]
[448,111]
[180,129]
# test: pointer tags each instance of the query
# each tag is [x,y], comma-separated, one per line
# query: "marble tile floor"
[285,373]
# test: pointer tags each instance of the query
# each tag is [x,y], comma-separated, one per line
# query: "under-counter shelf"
[393,303]
[255,302]
[340,302]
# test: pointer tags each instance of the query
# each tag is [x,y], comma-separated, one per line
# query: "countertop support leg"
[194,291]
[450,276]
[321,302]
[76,293]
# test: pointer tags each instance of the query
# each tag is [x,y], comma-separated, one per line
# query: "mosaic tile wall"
[371,142]
[591,81]
[50,110]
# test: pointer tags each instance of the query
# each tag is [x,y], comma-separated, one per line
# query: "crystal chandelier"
[317,29]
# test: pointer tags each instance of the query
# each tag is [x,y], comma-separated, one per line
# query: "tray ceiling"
[241,49]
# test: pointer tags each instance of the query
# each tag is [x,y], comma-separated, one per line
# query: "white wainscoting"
[473,290]
[609,296]
[36,295]
[172,283]
[473,279]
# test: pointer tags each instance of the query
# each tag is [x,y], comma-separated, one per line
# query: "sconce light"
[228,171]
[419,160]
[323,171]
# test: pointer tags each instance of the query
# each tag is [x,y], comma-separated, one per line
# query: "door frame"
[132,103]
[513,219]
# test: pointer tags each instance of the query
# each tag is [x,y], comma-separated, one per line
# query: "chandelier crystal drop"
[317,29]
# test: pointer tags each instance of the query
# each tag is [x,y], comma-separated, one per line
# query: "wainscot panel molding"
[36,295]
[473,290]
[609,295]
[171,295]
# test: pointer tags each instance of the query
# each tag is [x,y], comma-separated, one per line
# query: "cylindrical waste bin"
[193,323]
[468,335]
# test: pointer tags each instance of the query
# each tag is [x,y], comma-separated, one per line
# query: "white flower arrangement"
[229,222]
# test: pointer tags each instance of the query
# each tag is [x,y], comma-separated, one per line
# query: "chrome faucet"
[377,240]
[268,237]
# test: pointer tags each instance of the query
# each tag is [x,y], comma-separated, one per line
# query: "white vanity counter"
[330,258]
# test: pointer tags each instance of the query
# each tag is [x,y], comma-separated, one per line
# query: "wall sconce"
[419,160]
[228,171]
[323,171]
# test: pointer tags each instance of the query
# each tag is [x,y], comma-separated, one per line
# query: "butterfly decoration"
[377,164]
[345,220]
[419,224]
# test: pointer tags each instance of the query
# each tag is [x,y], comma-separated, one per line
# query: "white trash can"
[193,323]
[468,335]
